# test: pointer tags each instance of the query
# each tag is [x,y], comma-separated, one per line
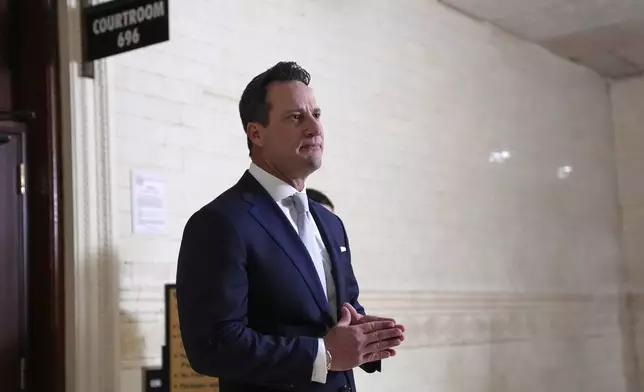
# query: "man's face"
[293,141]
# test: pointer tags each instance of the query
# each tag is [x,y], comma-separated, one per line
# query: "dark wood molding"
[35,88]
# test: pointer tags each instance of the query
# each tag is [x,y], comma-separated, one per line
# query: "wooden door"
[12,259]
[5,75]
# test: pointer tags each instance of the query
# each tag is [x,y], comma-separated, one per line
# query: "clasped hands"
[357,339]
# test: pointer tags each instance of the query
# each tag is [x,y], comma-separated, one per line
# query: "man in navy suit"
[267,297]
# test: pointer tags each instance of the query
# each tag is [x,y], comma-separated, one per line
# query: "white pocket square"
[343,249]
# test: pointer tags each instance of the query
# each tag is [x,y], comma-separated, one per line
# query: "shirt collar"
[278,189]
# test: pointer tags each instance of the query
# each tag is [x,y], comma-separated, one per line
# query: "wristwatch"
[329,358]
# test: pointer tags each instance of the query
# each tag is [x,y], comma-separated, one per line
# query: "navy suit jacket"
[251,305]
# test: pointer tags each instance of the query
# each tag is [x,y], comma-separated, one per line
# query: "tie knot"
[301,202]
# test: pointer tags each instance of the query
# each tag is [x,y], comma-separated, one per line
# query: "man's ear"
[255,133]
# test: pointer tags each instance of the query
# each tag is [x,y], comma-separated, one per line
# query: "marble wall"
[628,100]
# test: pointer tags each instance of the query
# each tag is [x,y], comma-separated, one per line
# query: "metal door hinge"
[23,180]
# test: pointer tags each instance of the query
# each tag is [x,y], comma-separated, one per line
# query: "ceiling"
[604,35]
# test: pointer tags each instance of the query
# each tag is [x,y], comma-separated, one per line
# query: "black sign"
[124,25]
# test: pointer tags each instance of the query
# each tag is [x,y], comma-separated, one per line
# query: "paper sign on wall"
[148,204]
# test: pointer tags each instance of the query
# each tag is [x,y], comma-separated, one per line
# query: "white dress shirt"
[281,193]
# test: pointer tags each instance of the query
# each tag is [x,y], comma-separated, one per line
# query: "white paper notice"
[148,204]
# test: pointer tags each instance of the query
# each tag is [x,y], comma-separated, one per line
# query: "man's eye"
[295,116]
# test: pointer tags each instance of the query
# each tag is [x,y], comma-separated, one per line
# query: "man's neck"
[297,183]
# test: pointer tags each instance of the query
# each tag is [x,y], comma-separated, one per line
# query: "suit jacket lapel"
[332,249]
[272,219]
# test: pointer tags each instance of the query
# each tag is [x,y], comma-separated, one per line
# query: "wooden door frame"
[35,88]
[90,230]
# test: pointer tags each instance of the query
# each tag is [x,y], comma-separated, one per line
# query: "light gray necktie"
[306,229]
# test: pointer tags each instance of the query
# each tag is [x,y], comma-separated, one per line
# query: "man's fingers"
[345,318]
[375,326]
[352,310]
[383,334]
[368,319]
[379,355]
[382,345]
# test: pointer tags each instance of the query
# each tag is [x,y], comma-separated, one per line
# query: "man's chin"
[315,162]
[311,165]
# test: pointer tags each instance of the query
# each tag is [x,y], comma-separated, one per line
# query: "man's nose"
[313,127]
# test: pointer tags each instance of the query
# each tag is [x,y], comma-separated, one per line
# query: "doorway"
[12,258]
[32,327]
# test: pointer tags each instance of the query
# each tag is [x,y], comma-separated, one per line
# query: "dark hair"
[319,197]
[253,106]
